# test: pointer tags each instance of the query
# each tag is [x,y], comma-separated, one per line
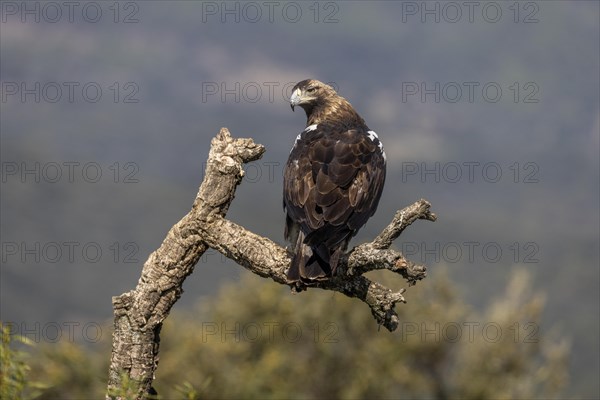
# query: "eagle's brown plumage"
[332,181]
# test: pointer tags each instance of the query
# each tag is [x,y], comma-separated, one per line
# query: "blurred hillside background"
[490,111]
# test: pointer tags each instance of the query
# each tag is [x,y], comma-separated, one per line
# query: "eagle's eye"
[311,89]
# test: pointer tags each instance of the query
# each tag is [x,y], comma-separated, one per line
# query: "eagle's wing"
[332,183]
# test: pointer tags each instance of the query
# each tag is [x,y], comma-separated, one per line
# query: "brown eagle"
[332,182]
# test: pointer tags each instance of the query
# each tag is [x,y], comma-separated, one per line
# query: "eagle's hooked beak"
[295,99]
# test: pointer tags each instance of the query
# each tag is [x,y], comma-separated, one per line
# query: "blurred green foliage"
[256,340]
[14,382]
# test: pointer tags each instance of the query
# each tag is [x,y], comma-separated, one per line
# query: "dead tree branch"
[139,314]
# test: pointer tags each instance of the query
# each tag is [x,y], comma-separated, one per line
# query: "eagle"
[332,181]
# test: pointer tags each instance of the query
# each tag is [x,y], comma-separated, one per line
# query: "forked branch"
[139,313]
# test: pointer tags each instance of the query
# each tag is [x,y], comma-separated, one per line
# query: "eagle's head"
[320,101]
[310,93]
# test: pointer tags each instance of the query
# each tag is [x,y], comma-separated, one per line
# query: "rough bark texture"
[139,313]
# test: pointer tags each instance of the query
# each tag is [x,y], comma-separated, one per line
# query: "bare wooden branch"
[402,220]
[139,314]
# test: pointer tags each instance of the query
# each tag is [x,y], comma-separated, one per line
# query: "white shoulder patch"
[310,128]
[307,129]
[373,136]
[296,142]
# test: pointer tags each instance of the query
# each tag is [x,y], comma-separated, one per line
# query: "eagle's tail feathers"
[293,274]
[334,259]
[308,264]
[315,268]
[299,259]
